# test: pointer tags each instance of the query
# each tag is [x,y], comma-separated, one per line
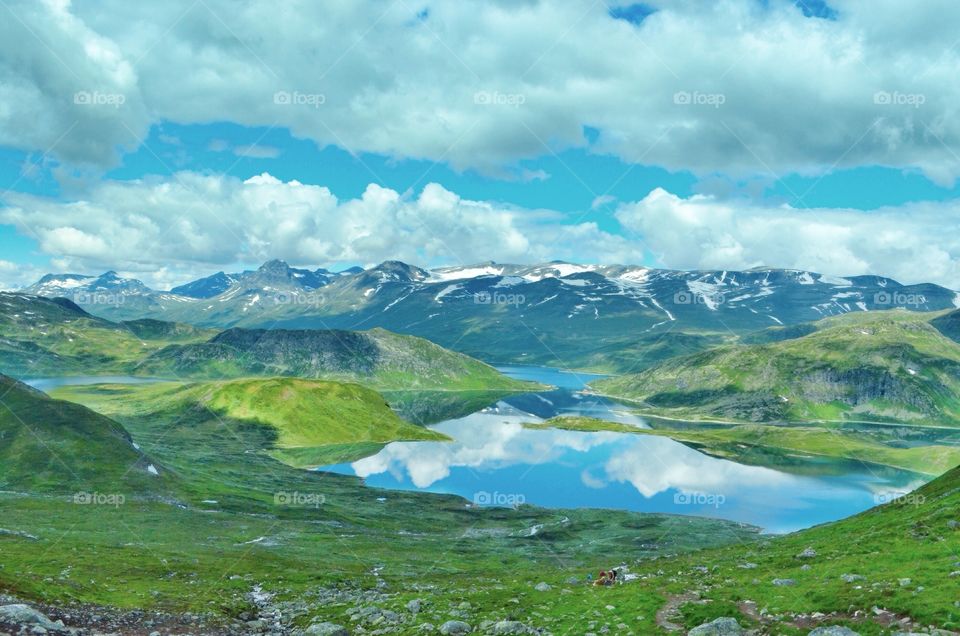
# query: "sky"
[168,141]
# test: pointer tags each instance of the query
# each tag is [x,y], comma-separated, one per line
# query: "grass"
[309,420]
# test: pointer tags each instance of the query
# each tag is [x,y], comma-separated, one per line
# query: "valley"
[280,467]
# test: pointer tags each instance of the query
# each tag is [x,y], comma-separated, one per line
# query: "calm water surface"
[495,460]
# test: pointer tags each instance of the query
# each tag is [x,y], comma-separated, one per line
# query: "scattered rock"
[808,553]
[851,578]
[784,582]
[414,606]
[720,627]
[542,587]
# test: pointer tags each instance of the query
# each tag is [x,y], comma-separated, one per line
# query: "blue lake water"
[495,460]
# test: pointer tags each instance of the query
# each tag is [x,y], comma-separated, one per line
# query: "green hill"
[305,422]
[49,445]
[53,336]
[891,366]
[378,358]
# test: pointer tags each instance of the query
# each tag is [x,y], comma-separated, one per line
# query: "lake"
[495,460]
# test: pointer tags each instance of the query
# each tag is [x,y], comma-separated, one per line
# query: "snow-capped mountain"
[558,313]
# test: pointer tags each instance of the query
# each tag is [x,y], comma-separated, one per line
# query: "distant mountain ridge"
[610,317]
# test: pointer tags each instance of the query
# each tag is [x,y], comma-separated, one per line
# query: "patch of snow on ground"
[836,281]
[442,276]
[449,289]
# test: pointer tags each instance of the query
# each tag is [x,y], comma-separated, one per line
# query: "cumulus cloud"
[735,86]
[914,243]
[167,230]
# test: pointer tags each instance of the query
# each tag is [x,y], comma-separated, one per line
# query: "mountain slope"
[54,446]
[377,358]
[883,366]
[54,336]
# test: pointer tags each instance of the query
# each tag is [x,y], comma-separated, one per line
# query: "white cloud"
[914,243]
[168,230]
[483,84]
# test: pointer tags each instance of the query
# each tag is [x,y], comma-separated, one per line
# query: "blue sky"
[598,136]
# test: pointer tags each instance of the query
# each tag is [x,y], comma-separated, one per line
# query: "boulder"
[834,630]
[542,587]
[455,627]
[504,628]
[326,629]
[21,614]
[720,627]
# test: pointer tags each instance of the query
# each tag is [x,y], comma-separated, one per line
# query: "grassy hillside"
[52,336]
[324,543]
[309,422]
[891,366]
[378,358]
[52,446]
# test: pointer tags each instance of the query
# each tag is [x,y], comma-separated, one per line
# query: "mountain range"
[608,318]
